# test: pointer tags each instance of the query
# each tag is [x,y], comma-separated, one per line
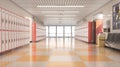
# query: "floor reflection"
[61,52]
[60,42]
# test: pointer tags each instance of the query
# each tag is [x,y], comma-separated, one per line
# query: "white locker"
[12,33]
[0,33]
[21,34]
[10,40]
[15,31]
[7,31]
[18,32]
[3,32]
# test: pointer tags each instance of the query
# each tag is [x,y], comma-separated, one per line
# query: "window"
[73,31]
[60,31]
[67,31]
[46,31]
[52,31]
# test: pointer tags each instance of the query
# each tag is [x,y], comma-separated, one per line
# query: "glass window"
[73,31]
[47,31]
[67,31]
[52,31]
[59,31]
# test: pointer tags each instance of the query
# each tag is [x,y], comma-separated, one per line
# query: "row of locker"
[10,21]
[14,30]
[81,33]
[40,34]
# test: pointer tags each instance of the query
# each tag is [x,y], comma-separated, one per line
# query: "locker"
[6,30]
[22,32]
[12,32]
[3,31]
[14,45]
[10,37]
[18,32]
[15,31]
[0,33]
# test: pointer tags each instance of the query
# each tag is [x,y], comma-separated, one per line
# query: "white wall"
[7,4]
[107,11]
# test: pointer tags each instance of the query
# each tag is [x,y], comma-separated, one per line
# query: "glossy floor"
[61,52]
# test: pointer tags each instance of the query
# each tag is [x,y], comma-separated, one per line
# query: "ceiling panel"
[45,13]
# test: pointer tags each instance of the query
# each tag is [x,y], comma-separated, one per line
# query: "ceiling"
[60,12]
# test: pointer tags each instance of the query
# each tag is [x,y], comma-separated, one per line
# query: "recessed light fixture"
[47,12]
[61,18]
[60,15]
[60,6]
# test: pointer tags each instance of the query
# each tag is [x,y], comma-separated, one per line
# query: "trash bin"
[101,40]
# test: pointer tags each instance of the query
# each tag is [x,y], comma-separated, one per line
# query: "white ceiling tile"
[41,12]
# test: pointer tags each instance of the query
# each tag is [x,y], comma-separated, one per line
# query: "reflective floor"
[61,52]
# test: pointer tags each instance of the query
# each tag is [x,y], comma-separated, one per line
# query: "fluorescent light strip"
[60,6]
[59,18]
[44,12]
[60,15]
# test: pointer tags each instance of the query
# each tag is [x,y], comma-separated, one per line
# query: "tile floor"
[61,52]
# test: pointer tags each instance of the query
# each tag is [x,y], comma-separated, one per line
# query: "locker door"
[18,32]
[21,33]
[12,35]
[10,47]
[24,32]
[14,32]
[7,31]
[0,33]
[3,31]
[9,23]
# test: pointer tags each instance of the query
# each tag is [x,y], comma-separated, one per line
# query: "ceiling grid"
[52,10]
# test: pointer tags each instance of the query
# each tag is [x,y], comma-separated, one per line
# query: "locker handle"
[2,20]
[2,41]
[9,40]
[5,41]
[5,20]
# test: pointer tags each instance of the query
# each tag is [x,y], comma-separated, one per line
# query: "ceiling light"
[60,6]
[44,12]
[60,18]
[60,15]
[99,16]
